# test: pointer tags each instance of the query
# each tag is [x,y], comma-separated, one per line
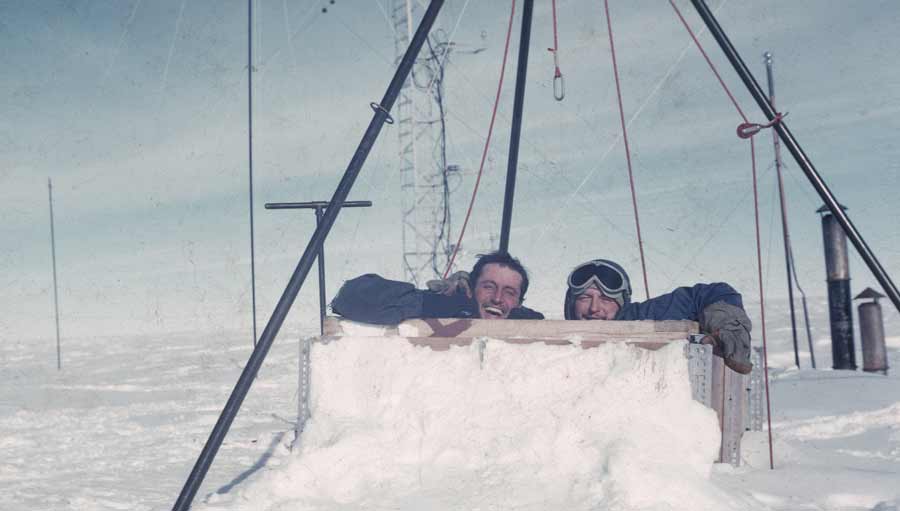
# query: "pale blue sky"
[138,112]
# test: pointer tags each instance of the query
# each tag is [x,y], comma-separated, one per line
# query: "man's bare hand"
[453,284]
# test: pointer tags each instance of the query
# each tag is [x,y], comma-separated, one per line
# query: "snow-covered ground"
[120,426]
[138,112]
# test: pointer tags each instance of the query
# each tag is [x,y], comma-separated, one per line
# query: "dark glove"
[459,281]
[730,328]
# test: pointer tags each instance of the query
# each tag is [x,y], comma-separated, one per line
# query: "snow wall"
[494,426]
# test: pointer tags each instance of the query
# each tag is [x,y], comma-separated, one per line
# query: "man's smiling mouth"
[493,311]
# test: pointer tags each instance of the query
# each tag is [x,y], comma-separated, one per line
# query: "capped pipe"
[871,330]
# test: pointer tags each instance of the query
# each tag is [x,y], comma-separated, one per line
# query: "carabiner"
[748,129]
[559,86]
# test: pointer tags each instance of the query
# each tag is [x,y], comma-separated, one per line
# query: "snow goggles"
[607,276]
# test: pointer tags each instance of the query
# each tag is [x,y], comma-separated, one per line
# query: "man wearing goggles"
[601,289]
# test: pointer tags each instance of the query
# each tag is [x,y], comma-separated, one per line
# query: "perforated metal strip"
[700,370]
[755,390]
[302,388]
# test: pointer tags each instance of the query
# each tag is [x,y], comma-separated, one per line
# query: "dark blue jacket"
[682,303]
[373,299]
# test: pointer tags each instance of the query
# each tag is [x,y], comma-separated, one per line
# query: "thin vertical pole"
[55,292]
[321,258]
[301,271]
[513,163]
[784,225]
[250,156]
[812,352]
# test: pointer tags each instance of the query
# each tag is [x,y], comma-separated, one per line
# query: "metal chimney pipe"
[871,330]
[840,312]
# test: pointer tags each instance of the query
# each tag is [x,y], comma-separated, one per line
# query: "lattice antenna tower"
[422,151]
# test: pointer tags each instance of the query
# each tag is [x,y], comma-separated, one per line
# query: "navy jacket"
[682,303]
[373,299]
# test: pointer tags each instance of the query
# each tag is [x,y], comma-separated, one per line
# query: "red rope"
[762,299]
[637,221]
[555,41]
[708,61]
[487,142]
[749,129]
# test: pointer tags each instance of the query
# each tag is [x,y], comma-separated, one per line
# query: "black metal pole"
[802,160]
[321,258]
[784,225]
[512,164]
[303,266]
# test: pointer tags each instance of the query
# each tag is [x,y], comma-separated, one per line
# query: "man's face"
[497,291]
[593,304]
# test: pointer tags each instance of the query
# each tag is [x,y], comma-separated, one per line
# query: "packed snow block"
[712,384]
[494,423]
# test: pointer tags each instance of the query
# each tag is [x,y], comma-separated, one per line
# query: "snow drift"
[495,426]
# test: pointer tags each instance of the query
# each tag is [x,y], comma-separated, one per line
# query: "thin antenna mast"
[424,185]
[788,249]
[784,226]
[250,157]
[55,293]
[411,130]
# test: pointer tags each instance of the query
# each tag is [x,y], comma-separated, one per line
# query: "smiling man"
[601,290]
[498,286]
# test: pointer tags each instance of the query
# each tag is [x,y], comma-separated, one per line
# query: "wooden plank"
[444,343]
[733,418]
[546,329]
[728,400]
[601,331]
